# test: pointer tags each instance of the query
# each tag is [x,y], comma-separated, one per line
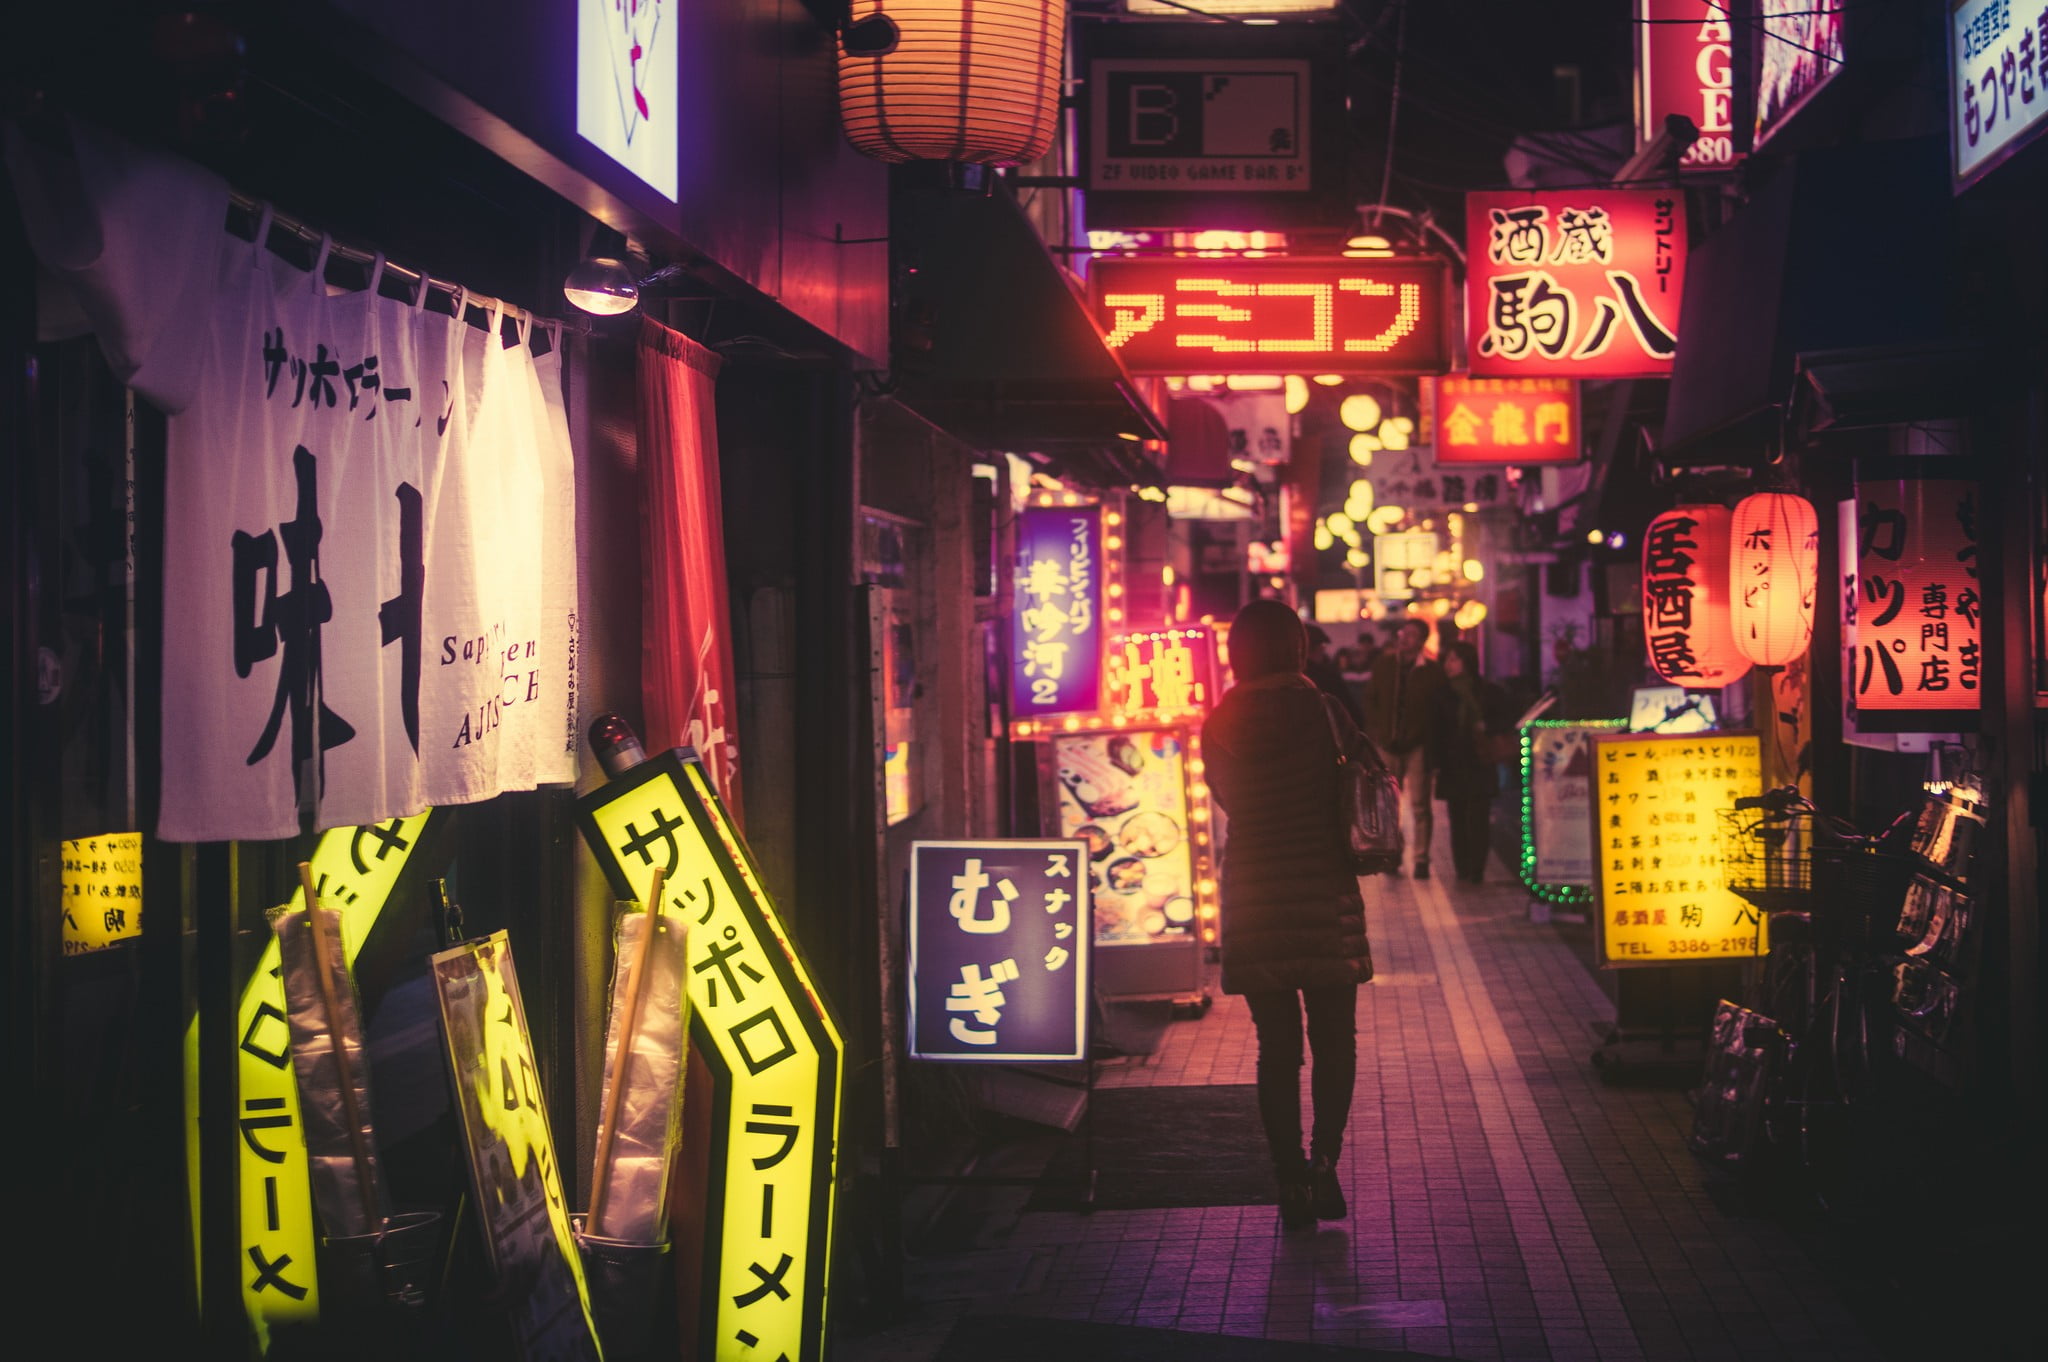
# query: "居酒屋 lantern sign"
[1685,64]
[1057,616]
[760,1023]
[1911,604]
[952,80]
[1577,283]
[1274,315]
[1506,420]
[1163,674]
[1000,936]
[626,77]
[1687,627]
[1657,801]
[1774,570]
[1998,81]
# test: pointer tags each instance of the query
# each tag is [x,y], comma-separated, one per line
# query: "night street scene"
[1000,680]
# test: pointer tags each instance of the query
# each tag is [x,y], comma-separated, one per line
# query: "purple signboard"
[999,950]
[1056,667]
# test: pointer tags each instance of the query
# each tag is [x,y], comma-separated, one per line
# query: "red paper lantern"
[1773,573]
[952,80]
[1687,626]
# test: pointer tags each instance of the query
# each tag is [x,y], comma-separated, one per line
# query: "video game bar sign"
[1274,315]
[1203,126]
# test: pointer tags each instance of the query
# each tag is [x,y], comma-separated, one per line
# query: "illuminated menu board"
[1911,604]
[1656,818]
[1275,315]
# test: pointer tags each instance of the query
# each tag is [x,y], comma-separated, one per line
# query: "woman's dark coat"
[1291,913]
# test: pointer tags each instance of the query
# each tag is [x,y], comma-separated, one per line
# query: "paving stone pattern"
[1505,1204]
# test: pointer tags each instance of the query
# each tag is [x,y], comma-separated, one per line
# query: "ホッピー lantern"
[952,80]
[1773,572]
[1686,623]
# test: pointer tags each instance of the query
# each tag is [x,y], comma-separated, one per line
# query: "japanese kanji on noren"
[999,950]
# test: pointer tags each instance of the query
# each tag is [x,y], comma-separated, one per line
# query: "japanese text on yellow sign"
[101,891]
[770,1200]
[355,870]
[1656,807]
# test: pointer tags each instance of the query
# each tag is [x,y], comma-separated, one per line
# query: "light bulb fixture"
[603,285]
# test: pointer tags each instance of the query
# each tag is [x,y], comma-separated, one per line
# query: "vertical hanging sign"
[1057,618]
[1911,604]
[999,950]
[760,1023]
[1685,64]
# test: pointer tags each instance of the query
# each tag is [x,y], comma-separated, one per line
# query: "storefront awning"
[993,342]
[1845,248]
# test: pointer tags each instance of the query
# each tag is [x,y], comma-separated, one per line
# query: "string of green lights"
[1563,895]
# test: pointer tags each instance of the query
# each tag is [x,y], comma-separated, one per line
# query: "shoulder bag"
[1369,801]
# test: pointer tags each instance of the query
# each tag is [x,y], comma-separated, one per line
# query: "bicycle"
[1806,1025]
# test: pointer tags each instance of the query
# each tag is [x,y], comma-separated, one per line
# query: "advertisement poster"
[1574,283]
[100,887]
[999,950]
[1657,802]
[511,1153]
[1560,802]
[1799,49]
[1126,796]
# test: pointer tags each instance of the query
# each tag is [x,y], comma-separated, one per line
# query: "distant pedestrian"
[1322,669]
[1293,923]
[1400,705]
[1470,713]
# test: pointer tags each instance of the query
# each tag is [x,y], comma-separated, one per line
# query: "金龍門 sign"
[1998,81]
[1057,631]
[1657,805]
[1912,605]
[1506,420]
[1339,315]
[1574,283]
[1685,64]
[999,950]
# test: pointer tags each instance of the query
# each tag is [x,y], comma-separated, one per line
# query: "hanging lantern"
[1774,571]
[1687,626]
[952,80]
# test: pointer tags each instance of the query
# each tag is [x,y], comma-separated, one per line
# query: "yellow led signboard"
[100,891]
[356,870]
[760,1024]
[1656,829]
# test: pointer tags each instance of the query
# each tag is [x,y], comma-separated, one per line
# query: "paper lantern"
[962,80]
[1687,625]
[1773,573]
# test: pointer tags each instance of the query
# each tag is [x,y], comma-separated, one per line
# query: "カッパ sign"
[1911,604]
[760,1023]
[1576,283]
[999,950]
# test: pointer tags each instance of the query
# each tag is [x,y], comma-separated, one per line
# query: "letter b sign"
[1155,114]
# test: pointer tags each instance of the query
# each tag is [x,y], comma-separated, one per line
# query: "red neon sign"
[1292,315]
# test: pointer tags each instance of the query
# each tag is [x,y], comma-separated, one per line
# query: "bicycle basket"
[1767,859]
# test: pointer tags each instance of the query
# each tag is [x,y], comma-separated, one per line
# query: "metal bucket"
[382,1277]
[627,1283]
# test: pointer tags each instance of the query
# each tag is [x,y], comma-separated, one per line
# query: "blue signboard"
[1057,651]
[999,950]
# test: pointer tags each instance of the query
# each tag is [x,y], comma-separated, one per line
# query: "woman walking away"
[1469,711]
[1293,923]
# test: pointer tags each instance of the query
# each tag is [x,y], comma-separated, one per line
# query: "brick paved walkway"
[1505,1203]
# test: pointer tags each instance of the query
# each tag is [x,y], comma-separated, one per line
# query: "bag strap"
[1373,760]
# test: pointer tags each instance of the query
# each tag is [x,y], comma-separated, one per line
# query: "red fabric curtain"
[686,677]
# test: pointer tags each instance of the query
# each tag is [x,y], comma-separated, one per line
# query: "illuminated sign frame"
[627,69]
[1574,283]
[1135,663]
[1707,773]
[1791,37]
[1043,932]
[747,1309]
[358,870]
[1067,587]
[1275,314]
[1677,42]
[1977,52]
[1576,896]
[1515,414]
[1911,596]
